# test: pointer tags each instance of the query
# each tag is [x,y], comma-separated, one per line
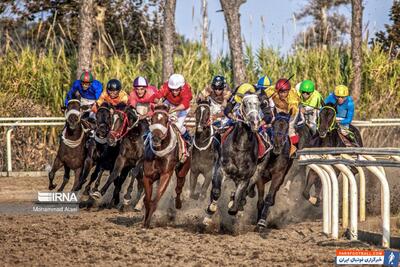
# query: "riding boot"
[293,150]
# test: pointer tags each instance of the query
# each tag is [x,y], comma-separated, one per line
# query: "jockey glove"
[294,139]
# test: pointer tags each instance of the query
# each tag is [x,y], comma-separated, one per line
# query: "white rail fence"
[322,161]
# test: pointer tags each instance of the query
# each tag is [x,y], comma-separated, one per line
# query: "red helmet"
[282,85]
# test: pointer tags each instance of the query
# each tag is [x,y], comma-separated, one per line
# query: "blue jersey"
[92,93]
[345,110]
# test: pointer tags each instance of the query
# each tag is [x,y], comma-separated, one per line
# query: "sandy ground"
[105,237]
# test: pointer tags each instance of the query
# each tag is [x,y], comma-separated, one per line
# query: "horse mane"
[203,102]
[106,105]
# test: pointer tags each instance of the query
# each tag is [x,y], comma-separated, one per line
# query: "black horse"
[71,152]
[205,150]
[274,168]
[239,156]
[127,132]
[328,136]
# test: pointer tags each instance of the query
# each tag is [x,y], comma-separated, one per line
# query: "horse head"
[73,114]
[203,115]
[250,109]
[122,123]
[159,124]
[280,129]
[326,120]
[104,120]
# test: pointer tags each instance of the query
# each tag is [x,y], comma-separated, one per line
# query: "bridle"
[245,114]
[125,127]
[159,126]
[332,126]
[209,124]
[70,112]
[280,132]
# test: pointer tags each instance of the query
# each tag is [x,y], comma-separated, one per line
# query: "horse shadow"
[126,221]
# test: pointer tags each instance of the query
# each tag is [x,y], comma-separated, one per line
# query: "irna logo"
[58,197]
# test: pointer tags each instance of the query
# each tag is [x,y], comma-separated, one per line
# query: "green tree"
[328,26]
[390,38]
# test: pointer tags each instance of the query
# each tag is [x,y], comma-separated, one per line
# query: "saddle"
[350,139]
[263,144]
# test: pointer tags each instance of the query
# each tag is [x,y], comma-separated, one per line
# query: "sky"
[278,29]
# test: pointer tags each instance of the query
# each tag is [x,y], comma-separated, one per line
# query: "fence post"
[9,161]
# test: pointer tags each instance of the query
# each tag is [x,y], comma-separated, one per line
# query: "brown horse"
[161,159]
[71,152]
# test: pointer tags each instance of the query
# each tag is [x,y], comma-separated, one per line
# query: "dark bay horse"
[275,168]
[97,149]
[205,150]
[161,160]
[328,136]
[128,131]
[239,156]
[71,152]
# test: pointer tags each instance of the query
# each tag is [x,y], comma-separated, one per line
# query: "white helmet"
[175,81]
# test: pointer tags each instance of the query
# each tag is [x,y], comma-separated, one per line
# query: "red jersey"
[134,100]
[183,98]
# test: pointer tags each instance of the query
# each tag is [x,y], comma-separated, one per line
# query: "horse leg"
[215,191]
[138,201]
[239,195]
[57,164]
[98,179]
[148,191]
[67,171]
[118,185]
[180,182]
[118,166]
[206,184]
[164,181]
[87,166]
[276,182]
[77,176]
[260,192]
[194,175]
[312,178]
[127,196]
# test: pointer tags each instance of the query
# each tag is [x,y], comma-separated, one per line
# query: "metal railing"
[321,160]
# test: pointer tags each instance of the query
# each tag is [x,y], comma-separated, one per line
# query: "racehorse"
[328,136]
[239,156]
[71,152]
[274,168]
[128,131]
[205,150]
[162,157]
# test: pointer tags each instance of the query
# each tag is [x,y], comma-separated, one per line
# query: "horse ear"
[209,100]
[112,110]
[132,115]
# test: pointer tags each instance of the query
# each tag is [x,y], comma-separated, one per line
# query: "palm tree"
[356,47]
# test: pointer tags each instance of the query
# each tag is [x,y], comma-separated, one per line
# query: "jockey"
[286,100]
[141,97]
[113,95]
[218,94]
[267,104]
[345,109]
[177,94]
[310,103]
[87,88]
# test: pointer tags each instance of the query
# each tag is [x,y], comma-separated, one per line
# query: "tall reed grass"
[46,76]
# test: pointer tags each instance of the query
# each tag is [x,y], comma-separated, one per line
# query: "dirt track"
[108,237]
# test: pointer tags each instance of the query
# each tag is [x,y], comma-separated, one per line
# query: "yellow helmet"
[341,91]
[243,89]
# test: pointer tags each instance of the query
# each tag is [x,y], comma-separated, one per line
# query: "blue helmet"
[263,83]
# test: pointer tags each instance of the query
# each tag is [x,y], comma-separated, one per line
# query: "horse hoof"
[232,212]
[126,201]
[262,223]
[59,190]
[52,186]
[251,193]
[207,220]
[313,200]
[96,195]
[212,208]
[178,203]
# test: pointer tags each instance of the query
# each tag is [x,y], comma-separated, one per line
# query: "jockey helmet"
[263,83]
[86,77]
[307,86]
[341,91]
[282,85]
[218,83]
[176,81]
[114,85]
[242,90]
[140,82]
